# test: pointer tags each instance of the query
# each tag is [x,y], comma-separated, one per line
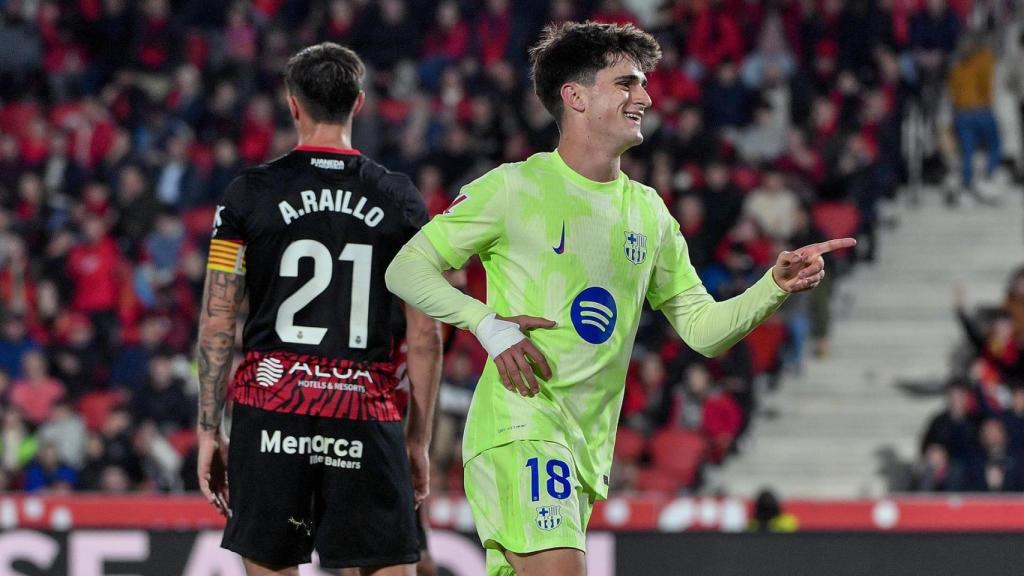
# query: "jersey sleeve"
[473,222]
[672,273]
[227,245]
[414,209]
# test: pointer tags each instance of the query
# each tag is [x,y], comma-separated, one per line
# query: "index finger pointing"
[830,245]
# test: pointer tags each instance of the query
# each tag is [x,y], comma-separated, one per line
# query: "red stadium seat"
[96,405]
[745,177]
[657,481]
[16,117]
[183,440]
[836,219]
[679,453]
[199,221]
[629,445]
[765,344]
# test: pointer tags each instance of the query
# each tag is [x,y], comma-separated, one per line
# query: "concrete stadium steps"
[822,434]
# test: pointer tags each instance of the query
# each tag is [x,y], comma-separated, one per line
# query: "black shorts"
[299,482]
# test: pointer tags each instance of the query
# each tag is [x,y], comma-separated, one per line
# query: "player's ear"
[358,105]
[574,97]
[293,107]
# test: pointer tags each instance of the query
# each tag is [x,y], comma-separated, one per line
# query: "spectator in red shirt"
[715,38]
[642,404]
[450,39]
[95,267]
[36,392]
[257,130]
[35,144]
[158,40]
[434,195]
[240,35]
[670,87]
[494,32]
[705,407]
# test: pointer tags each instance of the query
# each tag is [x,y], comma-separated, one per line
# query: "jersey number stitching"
[361,256]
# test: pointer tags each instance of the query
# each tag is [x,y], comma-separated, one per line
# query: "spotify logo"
[593,315]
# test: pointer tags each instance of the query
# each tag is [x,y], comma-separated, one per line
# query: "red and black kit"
[317,451]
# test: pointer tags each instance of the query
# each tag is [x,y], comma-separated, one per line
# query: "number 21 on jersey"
[361,256]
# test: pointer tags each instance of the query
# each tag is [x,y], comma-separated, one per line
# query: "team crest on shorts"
[635,247]
[548,517]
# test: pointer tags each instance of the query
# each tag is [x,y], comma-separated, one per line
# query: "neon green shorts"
[526,496]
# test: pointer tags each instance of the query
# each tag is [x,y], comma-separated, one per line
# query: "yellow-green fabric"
[518,506]
[582,253]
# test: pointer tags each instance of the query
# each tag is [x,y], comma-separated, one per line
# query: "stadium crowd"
[775,123]
[976,442]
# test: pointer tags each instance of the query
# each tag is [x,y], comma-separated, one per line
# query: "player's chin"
[632,138]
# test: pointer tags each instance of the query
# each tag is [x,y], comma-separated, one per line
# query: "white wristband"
[496,335]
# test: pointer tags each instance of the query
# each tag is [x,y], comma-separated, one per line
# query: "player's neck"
[326,135]
[589,161]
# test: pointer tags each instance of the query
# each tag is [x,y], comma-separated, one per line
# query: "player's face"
[617,104]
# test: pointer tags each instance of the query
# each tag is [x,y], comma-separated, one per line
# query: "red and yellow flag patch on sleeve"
[227,256]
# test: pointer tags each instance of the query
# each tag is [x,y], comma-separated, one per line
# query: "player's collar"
[328,150]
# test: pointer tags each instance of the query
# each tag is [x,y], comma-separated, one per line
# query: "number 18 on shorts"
[527,497]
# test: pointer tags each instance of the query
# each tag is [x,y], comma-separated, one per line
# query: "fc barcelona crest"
[548,517]
[636,247]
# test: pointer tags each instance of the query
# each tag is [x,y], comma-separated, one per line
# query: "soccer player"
[317,457]
[572,248]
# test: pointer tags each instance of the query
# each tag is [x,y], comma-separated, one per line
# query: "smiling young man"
[567,236]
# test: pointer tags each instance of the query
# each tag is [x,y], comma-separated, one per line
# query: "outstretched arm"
[711,327]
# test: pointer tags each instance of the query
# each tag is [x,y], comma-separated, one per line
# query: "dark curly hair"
[326,78]
[575,52]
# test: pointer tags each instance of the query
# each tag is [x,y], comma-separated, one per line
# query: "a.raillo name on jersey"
[331,201]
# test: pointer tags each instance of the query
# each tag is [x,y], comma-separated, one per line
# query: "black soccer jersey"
[319,227]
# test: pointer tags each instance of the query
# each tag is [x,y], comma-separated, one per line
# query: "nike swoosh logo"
[561,244]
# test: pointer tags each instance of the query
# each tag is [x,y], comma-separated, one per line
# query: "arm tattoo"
[222,299]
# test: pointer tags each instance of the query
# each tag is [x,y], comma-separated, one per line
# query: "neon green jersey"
[582,253]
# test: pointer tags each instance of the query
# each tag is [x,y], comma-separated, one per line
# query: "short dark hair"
[326,78]
[575,52]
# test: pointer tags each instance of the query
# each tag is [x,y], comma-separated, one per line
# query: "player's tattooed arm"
[222,298]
